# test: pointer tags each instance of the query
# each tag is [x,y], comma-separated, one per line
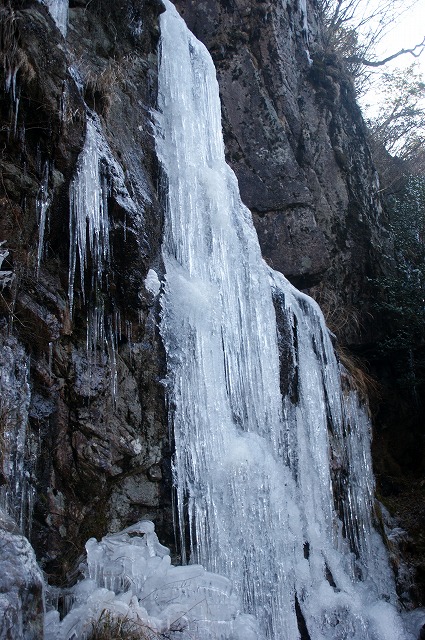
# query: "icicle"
[88,214]
[16,112]
[97,171]
[129,337]
[63,108]
[117,327]
[58,9]
[112,345]
[50,361]
[14,90]
[42,207]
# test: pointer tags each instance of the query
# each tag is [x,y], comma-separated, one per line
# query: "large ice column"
[256,474]
[219,329]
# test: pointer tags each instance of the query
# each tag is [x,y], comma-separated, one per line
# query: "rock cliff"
[97,448]
[96,419]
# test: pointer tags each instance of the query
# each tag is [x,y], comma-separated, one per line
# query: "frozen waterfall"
[274,492]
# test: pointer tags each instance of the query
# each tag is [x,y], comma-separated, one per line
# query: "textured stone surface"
[95,446]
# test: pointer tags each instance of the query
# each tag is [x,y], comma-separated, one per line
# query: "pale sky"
[408,31]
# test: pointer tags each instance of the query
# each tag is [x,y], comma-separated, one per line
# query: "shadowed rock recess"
[83,418]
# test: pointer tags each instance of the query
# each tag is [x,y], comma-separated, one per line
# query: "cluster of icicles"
[272,471]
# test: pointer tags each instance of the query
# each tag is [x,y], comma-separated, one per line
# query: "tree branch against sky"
[367,34]
[415,51]
[395,101]
[397,127]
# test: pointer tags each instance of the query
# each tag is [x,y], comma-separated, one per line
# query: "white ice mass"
[58,9]
[130,576]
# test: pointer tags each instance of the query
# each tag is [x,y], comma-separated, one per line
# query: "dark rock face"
[296,140]
[97,423]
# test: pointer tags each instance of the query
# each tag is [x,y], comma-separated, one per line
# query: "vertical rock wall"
[96,417]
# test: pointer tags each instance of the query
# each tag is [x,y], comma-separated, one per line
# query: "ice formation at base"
[129,577]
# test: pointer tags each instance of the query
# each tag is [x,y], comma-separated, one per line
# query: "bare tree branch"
[398,129]
[354,28]
[379,63]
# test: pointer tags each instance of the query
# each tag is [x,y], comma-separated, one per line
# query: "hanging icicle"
[58,9]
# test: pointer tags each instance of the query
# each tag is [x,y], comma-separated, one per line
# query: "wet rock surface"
[96,415]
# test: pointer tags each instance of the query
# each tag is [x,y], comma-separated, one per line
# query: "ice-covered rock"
[6,277]
[21,586]
[17,492]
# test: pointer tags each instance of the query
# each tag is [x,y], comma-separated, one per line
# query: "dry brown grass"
[359,379]
[345,323]
[109,627]
[100,87]
[12,57]
[342,319]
